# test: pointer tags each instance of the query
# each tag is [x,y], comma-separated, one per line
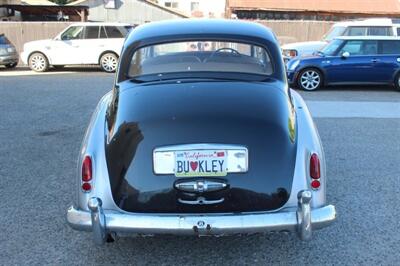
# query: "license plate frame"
[204,163]
[164,163]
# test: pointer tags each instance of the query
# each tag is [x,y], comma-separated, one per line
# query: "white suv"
[78,44]
[366,27]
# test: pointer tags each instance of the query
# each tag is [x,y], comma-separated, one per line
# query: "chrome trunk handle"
[200,186]
[201,201]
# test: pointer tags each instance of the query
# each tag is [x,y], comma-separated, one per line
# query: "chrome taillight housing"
[315,171]
[87,174]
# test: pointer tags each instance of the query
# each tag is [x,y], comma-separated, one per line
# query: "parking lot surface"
[43,119]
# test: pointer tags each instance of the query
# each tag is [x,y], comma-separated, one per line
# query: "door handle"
[375,60]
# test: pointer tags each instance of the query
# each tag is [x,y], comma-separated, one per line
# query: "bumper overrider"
[102,222]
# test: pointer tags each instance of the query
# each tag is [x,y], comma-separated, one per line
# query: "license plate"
[191,163]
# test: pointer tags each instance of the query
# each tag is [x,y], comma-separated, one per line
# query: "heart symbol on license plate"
[193,165]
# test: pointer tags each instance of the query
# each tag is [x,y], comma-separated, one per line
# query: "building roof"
[331,6]
[169,10]
[48,9]
[37,3]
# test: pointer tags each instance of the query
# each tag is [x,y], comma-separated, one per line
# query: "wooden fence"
[287,31]
[21,32]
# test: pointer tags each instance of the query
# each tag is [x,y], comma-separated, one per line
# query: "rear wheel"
[309,79]
[397,82]
[109,62]
[38,62]
[11,65]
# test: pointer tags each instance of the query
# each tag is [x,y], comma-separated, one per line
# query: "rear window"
[117,31]
[199,58]
[4,40]
[390,47]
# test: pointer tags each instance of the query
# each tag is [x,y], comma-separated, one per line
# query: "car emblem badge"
[200,185]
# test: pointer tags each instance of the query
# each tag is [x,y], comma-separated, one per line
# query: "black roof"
[198,28]
[201,29]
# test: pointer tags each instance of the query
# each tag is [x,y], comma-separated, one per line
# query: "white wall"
[127,11]
[216,7]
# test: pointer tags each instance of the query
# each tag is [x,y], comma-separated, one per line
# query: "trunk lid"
[254,116]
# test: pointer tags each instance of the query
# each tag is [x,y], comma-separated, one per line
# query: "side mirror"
[345,54]
[65,38]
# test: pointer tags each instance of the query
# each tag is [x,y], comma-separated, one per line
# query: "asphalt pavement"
[42,122]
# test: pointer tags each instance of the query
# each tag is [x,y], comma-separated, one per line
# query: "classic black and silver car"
[201,135]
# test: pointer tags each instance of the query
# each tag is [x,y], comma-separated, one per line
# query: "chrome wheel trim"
[38,63]
[109,62]
[310,80]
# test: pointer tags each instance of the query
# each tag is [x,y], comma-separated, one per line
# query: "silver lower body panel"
[100,222]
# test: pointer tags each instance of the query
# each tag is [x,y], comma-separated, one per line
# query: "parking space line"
[32,73]
[345,109]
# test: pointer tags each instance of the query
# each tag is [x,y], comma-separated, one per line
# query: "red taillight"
[86,187]
[315,169]
[87,174]
[87,169]
[315,184]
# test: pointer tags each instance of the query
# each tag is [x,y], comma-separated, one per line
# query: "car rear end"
[201,136]
[162,190]
[8,53]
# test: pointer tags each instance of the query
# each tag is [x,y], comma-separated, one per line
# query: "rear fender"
[93,145]
[308,142]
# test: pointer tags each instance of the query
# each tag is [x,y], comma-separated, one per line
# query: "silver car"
[8,53]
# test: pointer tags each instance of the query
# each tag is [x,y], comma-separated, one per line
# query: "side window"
[380,31]
[369,48]
[113,32]
[103,34]
[91,32]
[398,31]
[352,47]
[125,30]
[390,47]
[72,33]
[356,31]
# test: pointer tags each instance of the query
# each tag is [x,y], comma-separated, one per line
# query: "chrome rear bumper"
[101,222]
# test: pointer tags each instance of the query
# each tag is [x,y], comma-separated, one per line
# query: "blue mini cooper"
[349,61]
